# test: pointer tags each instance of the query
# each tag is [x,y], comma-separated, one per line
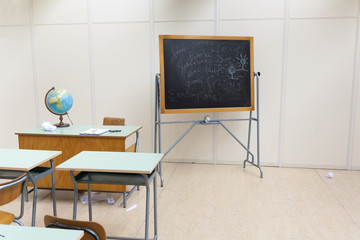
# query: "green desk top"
[119,162]
[75,130]
[12,232]
[24,160]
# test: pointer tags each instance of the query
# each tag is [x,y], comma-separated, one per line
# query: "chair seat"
[113,178]
[9,174]
[6,218]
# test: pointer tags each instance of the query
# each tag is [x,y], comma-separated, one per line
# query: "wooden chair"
[114,121]
[111,121]
[9,191]
[92,230]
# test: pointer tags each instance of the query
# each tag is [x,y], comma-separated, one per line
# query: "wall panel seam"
[91,62]
[251,19]
[152,71]
[321,18]
[33,54]
[215,127]
[18,25]
[283,84]
[354,95]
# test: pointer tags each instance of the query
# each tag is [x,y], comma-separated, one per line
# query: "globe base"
[61,124]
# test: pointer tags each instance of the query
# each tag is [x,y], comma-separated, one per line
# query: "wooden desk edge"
[35,165]
[50,134]
[105,170]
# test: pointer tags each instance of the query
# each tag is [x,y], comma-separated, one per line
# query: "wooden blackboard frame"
[198,110]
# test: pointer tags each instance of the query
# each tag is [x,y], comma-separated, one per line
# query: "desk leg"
[89,202]
[155,208]
[137,141]
[75,194]
[53,186]
[33,180]
[147,212]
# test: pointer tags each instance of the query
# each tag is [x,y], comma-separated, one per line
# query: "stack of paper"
[94,131]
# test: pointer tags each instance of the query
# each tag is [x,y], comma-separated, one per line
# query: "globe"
[59,102]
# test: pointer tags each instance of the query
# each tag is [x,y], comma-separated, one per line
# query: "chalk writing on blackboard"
[206,74]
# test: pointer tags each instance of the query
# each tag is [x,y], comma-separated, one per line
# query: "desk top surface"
[75,130]
[118,162]
[12,232]
[23,159]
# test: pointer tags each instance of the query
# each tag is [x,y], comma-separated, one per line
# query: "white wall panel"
[323,8]
[255,9]
[14,12]
[120,10]
[268,50]
[122,84]
[318,92]
[62,57]
[189,10]
[16,83]
[60,11]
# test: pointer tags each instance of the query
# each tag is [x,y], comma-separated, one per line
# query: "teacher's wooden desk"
[10,232]
[70,142]
[115,168]
[14,162]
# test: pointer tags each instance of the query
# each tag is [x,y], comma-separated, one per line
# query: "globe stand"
[61,123]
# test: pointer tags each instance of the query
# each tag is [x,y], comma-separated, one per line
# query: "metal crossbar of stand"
[158,123]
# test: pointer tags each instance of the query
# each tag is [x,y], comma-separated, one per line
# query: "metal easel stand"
[158,123]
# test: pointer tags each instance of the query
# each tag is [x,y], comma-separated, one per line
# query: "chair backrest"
[114,121]
[88,227]
[118,122]
[9,191]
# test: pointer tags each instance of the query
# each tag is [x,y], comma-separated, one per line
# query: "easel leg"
[257,130]
[157,137]
[249,134]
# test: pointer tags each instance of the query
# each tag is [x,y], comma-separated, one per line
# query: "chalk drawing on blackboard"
[232,70]
[243,61]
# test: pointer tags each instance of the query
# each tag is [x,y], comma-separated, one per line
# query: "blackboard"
[206,74]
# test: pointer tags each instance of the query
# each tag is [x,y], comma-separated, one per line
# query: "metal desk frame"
[34,175]
[158,123]
[123,179]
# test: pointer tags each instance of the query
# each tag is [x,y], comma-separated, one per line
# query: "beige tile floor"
[200,201]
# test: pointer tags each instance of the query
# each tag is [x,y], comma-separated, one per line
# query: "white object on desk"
[94,131]
[48,127]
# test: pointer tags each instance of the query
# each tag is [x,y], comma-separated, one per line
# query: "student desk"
[115,168]
[11,232]
[70,142]
[14,162]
